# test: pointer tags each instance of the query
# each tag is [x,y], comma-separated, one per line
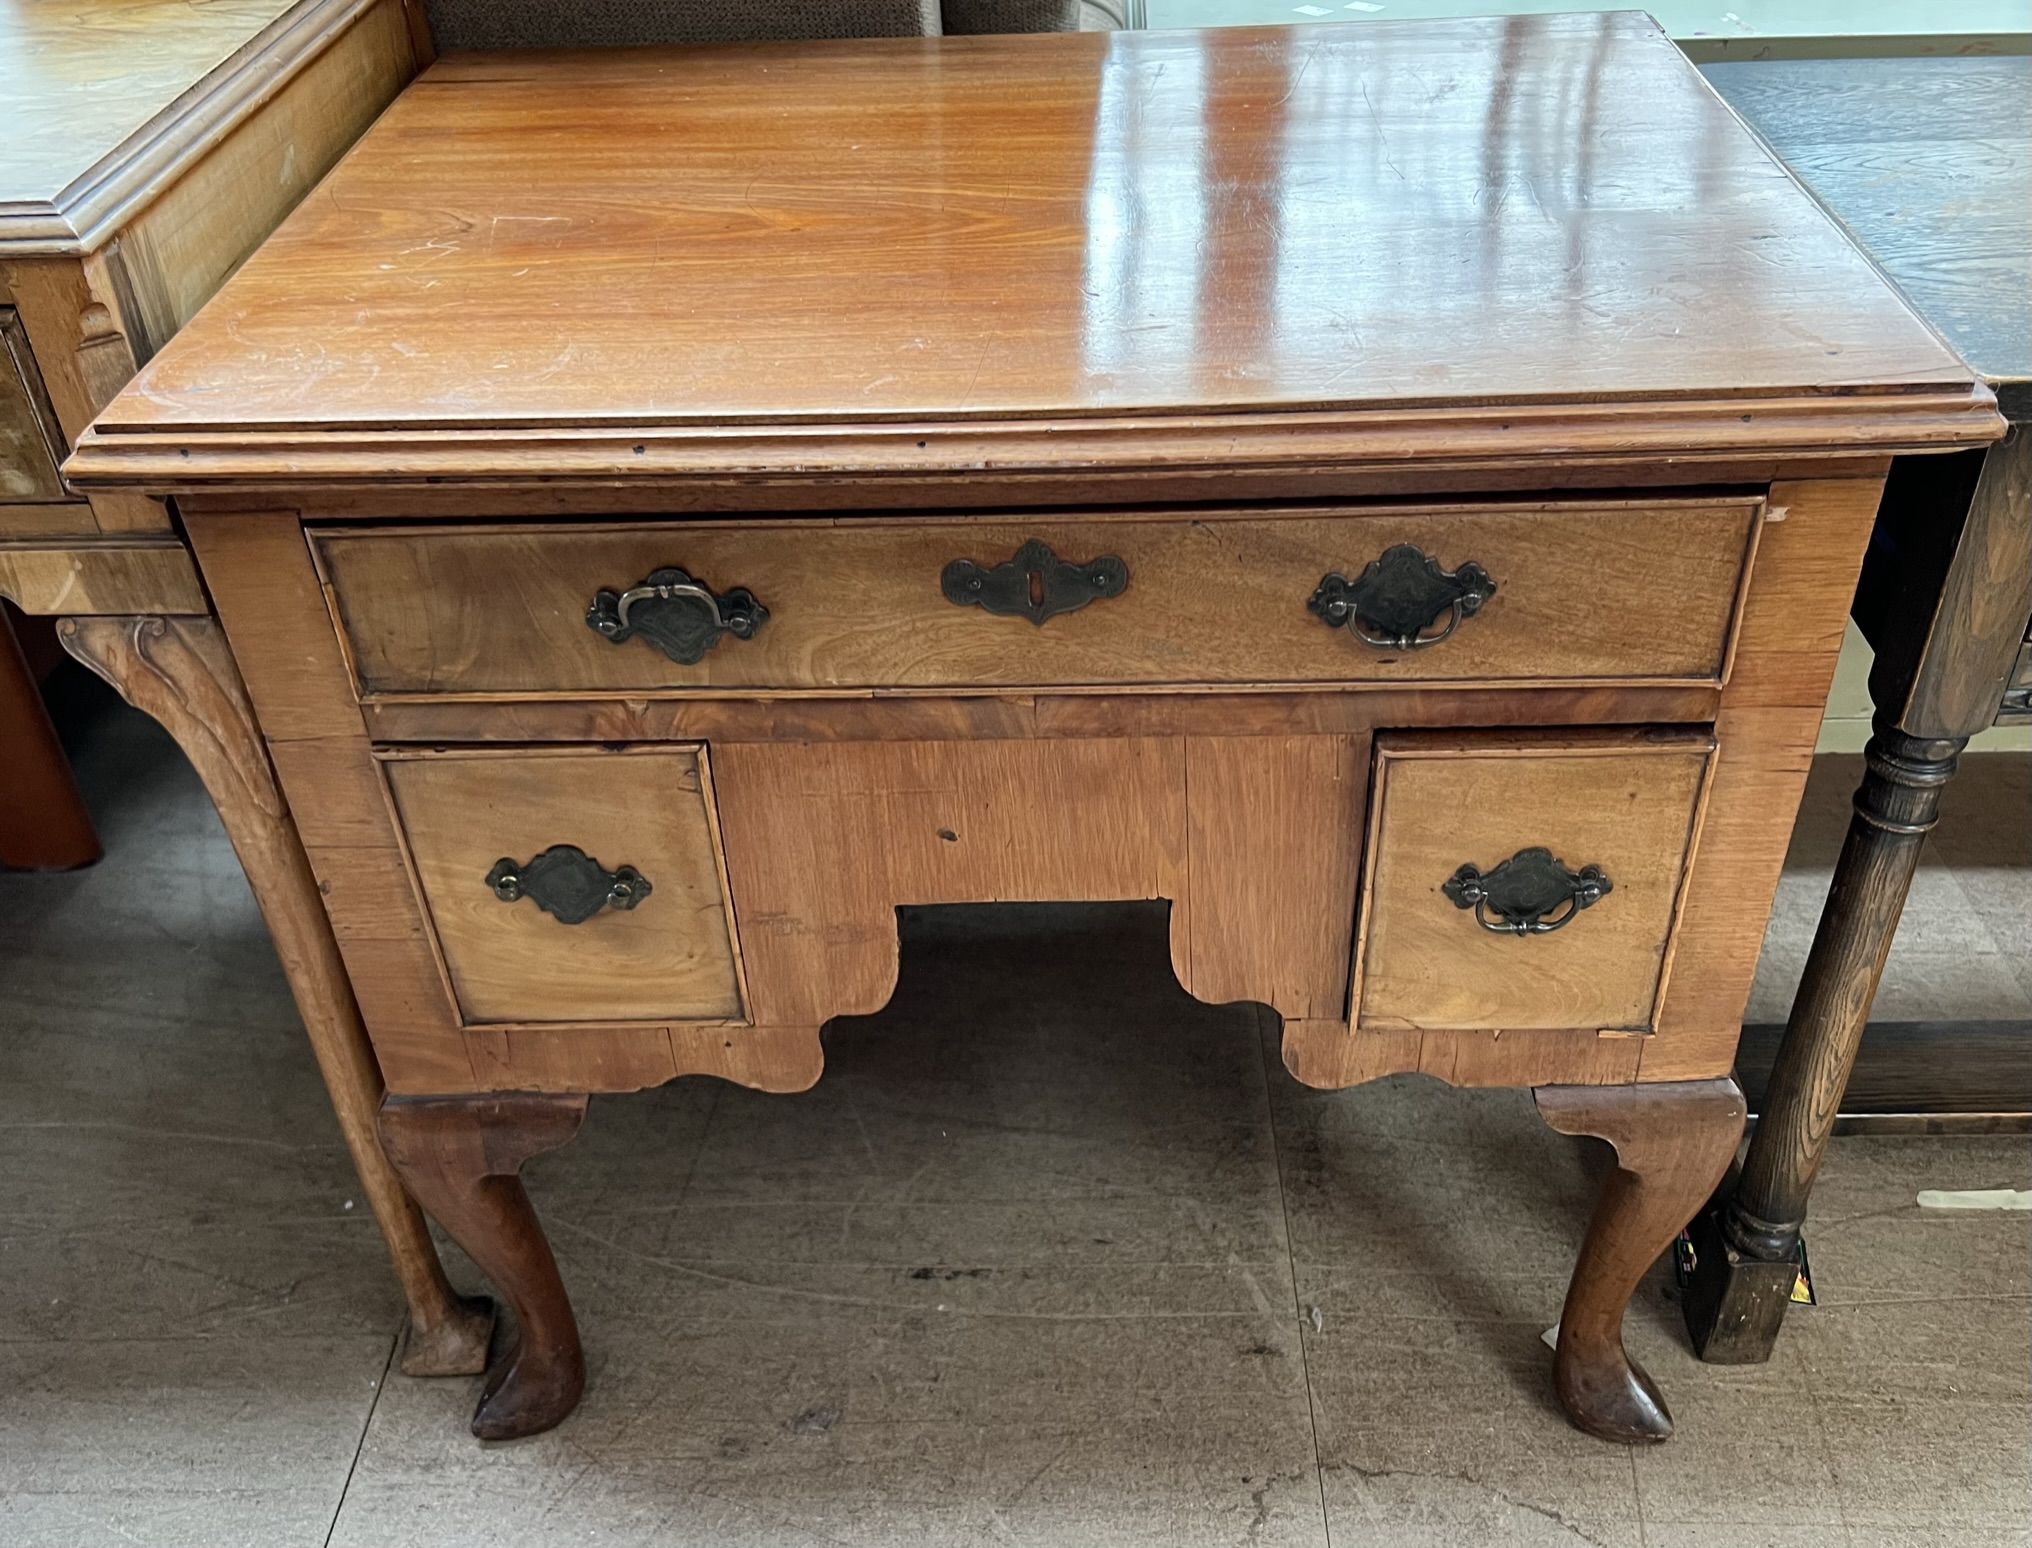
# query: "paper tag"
[1975,1198]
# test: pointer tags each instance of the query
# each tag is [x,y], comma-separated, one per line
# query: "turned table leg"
[462,1157]
[1746,1245]
[1673,1141]
[179,671]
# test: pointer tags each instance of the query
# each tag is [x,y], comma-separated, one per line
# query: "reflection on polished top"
[1544,209]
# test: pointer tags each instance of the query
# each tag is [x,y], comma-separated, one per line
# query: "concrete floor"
[1053,1255]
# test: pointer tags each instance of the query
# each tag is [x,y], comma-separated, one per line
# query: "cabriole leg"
[179,671]
[1673,1141]
[462,1158]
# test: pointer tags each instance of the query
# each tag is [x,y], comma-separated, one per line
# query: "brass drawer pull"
[1400,595]
[1034,583]
[1525,891]
[568,884]
[677,614]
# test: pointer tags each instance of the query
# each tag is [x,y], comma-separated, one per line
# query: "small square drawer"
[1525,880]
[1609,590]
[571,884]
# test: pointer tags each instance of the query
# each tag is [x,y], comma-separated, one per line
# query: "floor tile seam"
[1297,1308]
[234,1335]
[991,1314]
[2003,1298]
[572,1229]
[1637,1497]
[360,1445]
[1372,1270]
[1809,1388]
[193,1494]
[243,1214]
[198,1018]
[698,1151]
[997,1201]
[149,1131]
[1933,1219]
[917,1308]
[1471,1480]
[971,1268]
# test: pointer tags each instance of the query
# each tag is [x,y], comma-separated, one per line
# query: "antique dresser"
[1392,492]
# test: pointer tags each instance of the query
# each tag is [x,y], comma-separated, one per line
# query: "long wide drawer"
[1613,591]
[571,884]
[1525,880]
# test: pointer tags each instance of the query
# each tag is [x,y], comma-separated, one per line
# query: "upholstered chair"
[457,25]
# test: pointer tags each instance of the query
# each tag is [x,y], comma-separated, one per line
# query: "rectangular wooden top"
[1929,163]
[580,261]
[100,97]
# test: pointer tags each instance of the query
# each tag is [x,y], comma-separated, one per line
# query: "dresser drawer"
[571,885]
[1518,881]
[1612,591]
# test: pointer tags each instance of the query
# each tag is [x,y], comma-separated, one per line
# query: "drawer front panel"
[1608,591]
[1519,881]
[578,885]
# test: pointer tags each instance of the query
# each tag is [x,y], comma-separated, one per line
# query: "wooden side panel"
[65,518]
[1623,802]
[266,593]
[823,843]
[198,230]
[1275,834]
[1971,650]
[30,442]
[1789,638]
[670,955]
[1615,591]
[85,351]
[123,577]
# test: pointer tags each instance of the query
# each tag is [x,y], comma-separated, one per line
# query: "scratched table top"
[1539,210]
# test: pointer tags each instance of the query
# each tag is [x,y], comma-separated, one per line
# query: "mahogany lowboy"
[1393,492]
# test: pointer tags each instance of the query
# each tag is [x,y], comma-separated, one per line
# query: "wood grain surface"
[1628,802]
[827,942]
[1621,591]
[31,444]
[1672,1141]
[823,843]
[965,229]
[101,575]
[670,956]
[76,81]
[85,345]
[1929,163]
[1016,714]
[1770,717]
